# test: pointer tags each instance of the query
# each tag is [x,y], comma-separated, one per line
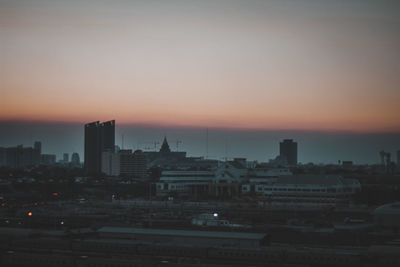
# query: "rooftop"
[307,179]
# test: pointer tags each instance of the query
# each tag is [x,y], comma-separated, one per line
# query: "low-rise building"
[124,163]
[327,189]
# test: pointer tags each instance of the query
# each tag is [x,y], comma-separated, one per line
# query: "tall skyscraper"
[398,157]
[99,137]
[288,150]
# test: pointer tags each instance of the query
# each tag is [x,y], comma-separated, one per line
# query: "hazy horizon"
[315,147]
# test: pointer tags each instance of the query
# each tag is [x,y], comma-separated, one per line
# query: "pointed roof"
[165,146]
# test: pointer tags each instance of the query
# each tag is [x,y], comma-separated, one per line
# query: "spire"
[165,146]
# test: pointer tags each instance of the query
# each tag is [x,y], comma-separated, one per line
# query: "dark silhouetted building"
[75,160]
[20,157]
[3,156]
[124,163]
[133,164]
[288,149]
[398,157]
[139,164]
[65,157]
[48,159]
[99,137]
[165,147]
[165,158]
[38,146]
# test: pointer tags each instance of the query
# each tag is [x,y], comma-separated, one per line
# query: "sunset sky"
[280,65]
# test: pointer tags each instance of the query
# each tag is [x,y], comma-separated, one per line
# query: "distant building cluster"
[103,156]
[24,157]
[21,157]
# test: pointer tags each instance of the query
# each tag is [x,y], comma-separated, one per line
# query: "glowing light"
[30,214]
[215,214]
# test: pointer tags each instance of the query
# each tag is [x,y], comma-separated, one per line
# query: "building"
[48,159]
[110,163]
[99,137]
[398,157]
[38,147]
[75,160]
[224,181]
[388,215]
[288,149]
[263,176]
[124,163]
[65,157]
[165,146]
[165,158]
[193,183]
[313,189]
[20,157]
[3,156]
[139,165]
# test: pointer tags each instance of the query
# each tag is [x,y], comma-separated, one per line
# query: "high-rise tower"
[99,137]
[288,150]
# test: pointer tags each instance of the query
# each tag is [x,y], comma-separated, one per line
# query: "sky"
[293,66]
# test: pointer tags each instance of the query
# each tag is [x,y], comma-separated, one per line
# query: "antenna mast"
[177,144]
[206,143]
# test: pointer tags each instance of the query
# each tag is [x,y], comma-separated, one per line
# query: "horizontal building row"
[232,179]
[22,157]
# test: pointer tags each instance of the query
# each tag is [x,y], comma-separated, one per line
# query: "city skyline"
[315,147]
[256,66]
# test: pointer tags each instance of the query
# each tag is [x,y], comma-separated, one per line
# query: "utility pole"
[177,144]
[207,143]
[155,145]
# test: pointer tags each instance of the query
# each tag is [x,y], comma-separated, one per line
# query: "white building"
[184,182]
[308,189]
[263,176]
[110,163]
[230,178]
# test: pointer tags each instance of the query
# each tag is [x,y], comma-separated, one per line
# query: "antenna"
[226,148]
[206,143]
[155,145]
[177,144]
[122,141]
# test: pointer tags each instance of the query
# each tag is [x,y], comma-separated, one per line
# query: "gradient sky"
[302,65]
